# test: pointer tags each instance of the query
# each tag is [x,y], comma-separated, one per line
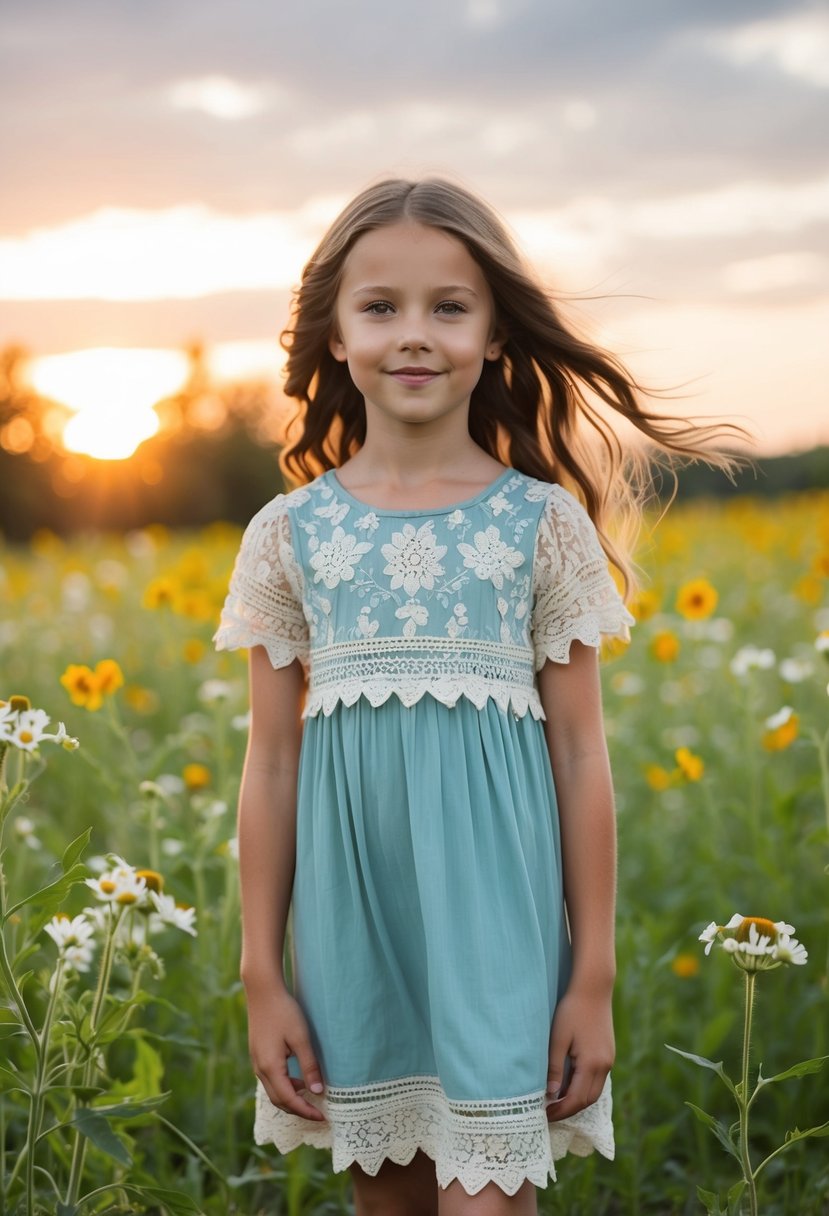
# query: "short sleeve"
[263,606]
[574,595]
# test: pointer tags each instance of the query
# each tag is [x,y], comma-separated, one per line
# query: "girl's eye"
[451,307]
[379,308]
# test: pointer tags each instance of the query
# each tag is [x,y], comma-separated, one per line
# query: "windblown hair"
[538,408]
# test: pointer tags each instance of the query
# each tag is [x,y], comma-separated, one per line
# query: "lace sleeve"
[574,596]
[264,602]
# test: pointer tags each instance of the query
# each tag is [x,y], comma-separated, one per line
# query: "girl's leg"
[397,1190]
[491,1201]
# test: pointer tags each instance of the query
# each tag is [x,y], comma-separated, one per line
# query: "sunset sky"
[168,167]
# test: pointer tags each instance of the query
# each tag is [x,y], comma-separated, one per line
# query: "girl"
[436,807]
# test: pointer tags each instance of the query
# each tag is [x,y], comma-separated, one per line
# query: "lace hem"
[236,634]
[448,690]
[506,1141]
[609,620]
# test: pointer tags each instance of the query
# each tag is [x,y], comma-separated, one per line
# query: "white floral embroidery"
[536,491]
[413,558]
[455,519]
[365,626]
[368,522]
[335,511]
[413,614]
[502,606]
[334,559]
[458,621]
[498,503]
[491,557]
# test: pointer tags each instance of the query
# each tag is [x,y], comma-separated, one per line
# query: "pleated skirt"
[429,945]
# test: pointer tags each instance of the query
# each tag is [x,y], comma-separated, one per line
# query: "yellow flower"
[109,676]
[657,777]
[809,589]
[781,730]
[665,646]
[196,776]
[160,593]
[194,603]
[691,767]
[87,687]
[142,700]
[154,880]
[686,966]
[820,565]
[193,650]
[82,686]
[696,600]
[644,605]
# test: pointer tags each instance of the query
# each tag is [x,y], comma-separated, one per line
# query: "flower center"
[764,927]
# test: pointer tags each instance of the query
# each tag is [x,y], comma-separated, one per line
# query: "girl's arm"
[267,856]
[583,1024]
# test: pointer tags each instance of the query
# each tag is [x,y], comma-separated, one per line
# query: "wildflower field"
[124,1074]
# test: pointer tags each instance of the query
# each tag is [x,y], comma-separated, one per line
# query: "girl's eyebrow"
[381,289]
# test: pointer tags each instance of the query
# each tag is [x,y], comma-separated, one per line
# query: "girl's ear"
[495,346]
[337,347]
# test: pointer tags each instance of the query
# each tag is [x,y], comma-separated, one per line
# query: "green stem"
[36,1102]
[104,972]
[822,745]
[744,1102]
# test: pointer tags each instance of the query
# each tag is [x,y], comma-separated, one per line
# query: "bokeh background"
[167,168]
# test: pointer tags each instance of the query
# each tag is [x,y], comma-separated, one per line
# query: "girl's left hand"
[583,1029]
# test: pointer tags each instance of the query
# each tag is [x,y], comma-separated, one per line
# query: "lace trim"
[505,1141]
[446,668]
[263,606]
[575,597]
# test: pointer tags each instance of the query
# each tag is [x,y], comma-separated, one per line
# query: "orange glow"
[113,391]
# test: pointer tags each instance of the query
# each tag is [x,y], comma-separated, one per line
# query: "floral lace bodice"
[467,600]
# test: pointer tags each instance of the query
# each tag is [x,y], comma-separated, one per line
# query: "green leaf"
[711,1201]
[719,1129]
[96,1128]
[129,1110]
[66,1209]
[792,1137]
[16,1084]
[174,1202]
[797,1070]
[716,1067]
[73,851]
[49,898]
[734,1197]
[147,1073]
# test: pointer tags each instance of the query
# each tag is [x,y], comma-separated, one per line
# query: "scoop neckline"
[339,488]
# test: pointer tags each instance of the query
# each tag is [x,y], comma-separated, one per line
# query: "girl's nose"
[413,337]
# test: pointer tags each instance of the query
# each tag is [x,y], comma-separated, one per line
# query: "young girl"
[436,806]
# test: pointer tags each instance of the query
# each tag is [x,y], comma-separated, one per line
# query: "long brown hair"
[529,408]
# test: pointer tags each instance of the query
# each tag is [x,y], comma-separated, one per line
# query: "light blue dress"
[429,945]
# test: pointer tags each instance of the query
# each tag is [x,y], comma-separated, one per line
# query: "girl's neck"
[417,463]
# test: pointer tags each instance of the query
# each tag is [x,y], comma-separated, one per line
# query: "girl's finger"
[282,1094]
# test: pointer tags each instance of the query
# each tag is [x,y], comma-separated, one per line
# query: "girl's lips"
[414,376]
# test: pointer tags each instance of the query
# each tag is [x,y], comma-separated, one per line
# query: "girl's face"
[414,322]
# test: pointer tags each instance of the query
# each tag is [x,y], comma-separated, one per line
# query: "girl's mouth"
[414,376]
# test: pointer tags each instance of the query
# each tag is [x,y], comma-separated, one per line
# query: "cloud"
[777,272]
[797,44]
[221,97]
[194,250]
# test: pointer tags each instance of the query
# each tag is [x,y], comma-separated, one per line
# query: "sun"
[113,390]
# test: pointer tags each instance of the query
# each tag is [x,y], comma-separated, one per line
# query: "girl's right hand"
[277,1029]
